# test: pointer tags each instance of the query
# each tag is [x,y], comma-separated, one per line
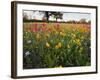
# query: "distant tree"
[57,15]
[83,20]
[71,21]
[89,22]
[25,16]
[44,18]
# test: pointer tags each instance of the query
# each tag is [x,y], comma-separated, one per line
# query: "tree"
[25,16]
[47,15]
[89,22]
[83,20]
[57,15]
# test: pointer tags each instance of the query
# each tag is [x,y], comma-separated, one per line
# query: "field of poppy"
[56,45]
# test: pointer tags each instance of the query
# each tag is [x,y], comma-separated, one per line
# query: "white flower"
[27,53]
[29,41]
[62,40]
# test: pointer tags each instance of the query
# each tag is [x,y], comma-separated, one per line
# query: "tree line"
[56,16]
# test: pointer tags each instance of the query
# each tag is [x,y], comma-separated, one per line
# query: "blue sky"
[66,16]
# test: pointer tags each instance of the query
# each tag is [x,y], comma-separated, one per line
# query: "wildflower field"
[54,45]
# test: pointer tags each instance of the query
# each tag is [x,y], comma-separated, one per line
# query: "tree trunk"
[56,19]
[47,15]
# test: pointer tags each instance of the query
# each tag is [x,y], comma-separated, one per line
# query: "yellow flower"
[82,37]
[78,42]
[47,35]
[60,66]
[58,45]
[38,36]
[68,46]
[62,34]
[56,32]
[73,35]
[47,45]
[80,50]
[74,41]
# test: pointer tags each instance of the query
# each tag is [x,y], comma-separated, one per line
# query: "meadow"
[56,45]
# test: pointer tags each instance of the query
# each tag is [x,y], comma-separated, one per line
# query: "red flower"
[49,30]
[44,24]
[57,26]
[44,28]
[35,24]
[34,29]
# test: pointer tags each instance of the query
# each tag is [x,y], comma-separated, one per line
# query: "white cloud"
[34,15]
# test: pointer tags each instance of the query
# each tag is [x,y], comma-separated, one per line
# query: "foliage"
[57,15]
